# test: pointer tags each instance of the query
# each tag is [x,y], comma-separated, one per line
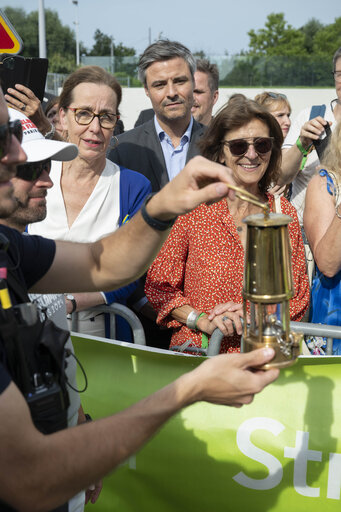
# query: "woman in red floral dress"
[195,283]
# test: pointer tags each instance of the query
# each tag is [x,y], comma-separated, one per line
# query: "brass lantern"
[268,286]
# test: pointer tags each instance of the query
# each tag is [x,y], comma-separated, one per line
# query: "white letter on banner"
[301,455]
[247,448]
[334,476]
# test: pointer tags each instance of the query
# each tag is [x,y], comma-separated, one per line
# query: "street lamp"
[75,2]
[42,35]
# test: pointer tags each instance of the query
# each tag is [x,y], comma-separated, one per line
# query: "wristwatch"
[73,300]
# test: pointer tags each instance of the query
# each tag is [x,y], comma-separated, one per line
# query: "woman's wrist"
[303,144]
[194,318]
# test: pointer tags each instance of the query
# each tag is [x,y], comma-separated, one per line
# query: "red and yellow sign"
[10,41]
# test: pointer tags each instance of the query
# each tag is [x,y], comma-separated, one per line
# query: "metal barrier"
[326,331]
[113,310]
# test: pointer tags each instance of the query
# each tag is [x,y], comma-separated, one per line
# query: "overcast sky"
[214,26]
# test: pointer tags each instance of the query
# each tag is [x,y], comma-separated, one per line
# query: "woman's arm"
[323,227]
[292,157]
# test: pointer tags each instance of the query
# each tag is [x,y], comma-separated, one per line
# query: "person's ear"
[215,97]
[62,119]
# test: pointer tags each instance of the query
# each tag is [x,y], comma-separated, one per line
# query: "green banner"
[280,453]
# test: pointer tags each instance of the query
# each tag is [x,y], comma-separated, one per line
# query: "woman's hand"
[24,100]
[229,321]
[277,190]
[229,307]
[312,130]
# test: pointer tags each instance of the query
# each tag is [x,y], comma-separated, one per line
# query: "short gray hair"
[337,55]
[164,50]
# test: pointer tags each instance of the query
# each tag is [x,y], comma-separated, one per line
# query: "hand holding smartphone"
[31,72]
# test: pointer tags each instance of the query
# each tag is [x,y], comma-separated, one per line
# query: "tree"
[102,46]
[61,43]
[281,55]
[310,29]
[328,40]
[277,38]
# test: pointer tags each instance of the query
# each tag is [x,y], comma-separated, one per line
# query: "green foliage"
[200,54]
[102,47]
[328,39]
[280,55]
[64,64]
[61,44]
[277,38]
[123,51]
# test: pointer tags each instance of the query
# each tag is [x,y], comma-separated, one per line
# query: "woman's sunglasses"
[239,147]
[6,132]
[276,95]
[33,171]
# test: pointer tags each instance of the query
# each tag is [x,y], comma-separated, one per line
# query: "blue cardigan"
[134,187]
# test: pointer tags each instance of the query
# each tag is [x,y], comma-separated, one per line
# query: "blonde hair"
[272,100]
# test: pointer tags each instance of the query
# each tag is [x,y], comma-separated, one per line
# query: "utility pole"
[75,2]
[42,32]
[149,36]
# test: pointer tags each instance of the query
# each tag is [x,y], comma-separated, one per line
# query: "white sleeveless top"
[98,217]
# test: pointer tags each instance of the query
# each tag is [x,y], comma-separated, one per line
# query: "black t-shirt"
[5,379]
[30,257]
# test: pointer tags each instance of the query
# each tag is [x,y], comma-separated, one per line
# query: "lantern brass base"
[284,356]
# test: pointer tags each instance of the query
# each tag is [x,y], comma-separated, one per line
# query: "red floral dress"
[202,263]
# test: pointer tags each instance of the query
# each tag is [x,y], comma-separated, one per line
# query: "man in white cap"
[30,187]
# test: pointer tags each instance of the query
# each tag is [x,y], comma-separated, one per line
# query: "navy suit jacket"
[140,150]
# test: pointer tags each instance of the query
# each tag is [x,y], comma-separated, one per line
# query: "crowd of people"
[106,200]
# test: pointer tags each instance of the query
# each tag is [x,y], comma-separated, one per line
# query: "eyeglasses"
[33,170]
[239,147]
[276,95]
[85,117]
[337,76]
[6,132]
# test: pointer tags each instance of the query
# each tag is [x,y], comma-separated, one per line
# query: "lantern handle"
[250,198]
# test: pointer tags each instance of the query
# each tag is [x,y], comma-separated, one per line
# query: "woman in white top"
[92,196]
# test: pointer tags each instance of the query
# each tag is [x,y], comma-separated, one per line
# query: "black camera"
[37,360]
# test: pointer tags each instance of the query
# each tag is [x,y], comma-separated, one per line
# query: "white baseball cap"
[35,145]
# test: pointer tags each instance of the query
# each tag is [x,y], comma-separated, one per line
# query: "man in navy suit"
[160,148]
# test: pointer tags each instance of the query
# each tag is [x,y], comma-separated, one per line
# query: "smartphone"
[31,72]
[321,143]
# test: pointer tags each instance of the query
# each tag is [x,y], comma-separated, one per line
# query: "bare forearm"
[71,460]
[105,265]
[180,314]
[291,161]
[327,251]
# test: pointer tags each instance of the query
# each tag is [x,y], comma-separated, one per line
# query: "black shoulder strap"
[14,283]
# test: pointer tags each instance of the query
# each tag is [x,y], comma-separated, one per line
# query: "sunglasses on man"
[32,171]
[238,147]
[6,132]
